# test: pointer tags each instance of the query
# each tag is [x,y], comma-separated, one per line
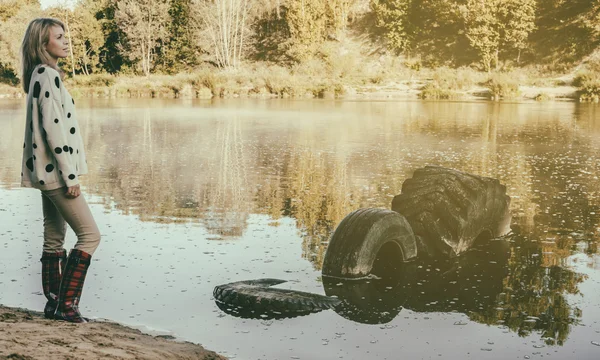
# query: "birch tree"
[225,24]
[144,23]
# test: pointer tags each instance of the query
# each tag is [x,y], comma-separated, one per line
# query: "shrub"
[503,86]
[434,92]
[542,97]
[588,84]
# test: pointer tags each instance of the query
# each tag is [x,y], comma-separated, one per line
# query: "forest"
[294,44]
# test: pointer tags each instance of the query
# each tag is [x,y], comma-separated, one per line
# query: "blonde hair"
[33,47]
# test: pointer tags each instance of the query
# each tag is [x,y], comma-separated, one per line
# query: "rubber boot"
[71,287]
[53,266]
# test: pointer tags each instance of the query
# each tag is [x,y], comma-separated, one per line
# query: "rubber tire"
[356,242]
[450,211]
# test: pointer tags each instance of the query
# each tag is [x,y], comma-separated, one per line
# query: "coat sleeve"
[47,89]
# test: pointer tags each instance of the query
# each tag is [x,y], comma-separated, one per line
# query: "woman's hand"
[73,191]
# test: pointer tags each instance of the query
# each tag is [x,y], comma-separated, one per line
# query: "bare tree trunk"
[497,59]
[245,11]
[70,43]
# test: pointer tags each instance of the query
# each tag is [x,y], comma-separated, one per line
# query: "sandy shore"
[26,335]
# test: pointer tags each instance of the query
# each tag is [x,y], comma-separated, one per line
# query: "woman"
[53,160]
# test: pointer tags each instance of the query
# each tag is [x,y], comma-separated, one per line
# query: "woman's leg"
[77,214]
[54,256]
[54,226]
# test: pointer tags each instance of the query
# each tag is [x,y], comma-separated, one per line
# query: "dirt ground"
[26,335]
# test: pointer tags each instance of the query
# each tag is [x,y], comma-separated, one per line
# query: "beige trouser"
[58,209]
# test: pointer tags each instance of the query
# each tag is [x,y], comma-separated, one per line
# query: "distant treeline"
[174,36]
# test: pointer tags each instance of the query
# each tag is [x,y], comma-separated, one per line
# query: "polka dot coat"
[53,154]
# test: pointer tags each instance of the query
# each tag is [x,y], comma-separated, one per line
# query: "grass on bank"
[322,79]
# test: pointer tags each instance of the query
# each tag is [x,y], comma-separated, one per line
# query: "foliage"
[314,36]
[496,25]
[85,35]
[503,85]
[144,24]
[588,83]
[394,17]
[518,21]
[180,51]
[307,24]
[16,16]
[449,83]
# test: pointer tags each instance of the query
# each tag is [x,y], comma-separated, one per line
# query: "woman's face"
[58,45]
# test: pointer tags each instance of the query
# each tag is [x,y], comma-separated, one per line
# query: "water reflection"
[505,284]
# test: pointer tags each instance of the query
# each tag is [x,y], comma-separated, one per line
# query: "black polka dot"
[34,145]
[23,145]
[71,177]
[29,164]
[57,82]
[36,89]
[58,150]
[72,130]
[47,94]
[60,172]
[21,174]
[41,70]
[73,100]
[65,148]
[69,115]
[71,150]
[78,151]
[31,125]
[49,168]
[34,158]
[42,182]
[56,121]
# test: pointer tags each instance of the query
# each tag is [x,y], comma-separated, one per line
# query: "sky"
[48,3]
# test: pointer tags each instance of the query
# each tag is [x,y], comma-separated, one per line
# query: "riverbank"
[27,335]
[277,82]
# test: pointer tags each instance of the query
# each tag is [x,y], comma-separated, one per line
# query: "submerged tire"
[360,236]
[449,210]
[257,300]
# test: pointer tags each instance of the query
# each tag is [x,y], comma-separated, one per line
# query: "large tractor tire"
[450,211]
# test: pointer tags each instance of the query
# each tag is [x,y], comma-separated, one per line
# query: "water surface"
[192,194]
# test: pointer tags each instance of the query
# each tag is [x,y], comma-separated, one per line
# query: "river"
[190,194]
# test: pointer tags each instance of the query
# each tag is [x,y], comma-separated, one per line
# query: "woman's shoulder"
[43,71]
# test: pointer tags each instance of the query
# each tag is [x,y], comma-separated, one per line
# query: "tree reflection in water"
[501,284]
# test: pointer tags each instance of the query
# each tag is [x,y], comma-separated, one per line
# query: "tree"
[225,24]
[482,27]
[85,37]
[518,21]
[307,25]
[393,16]
[338,12]
[179,51]
[15,16]
[144,23]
